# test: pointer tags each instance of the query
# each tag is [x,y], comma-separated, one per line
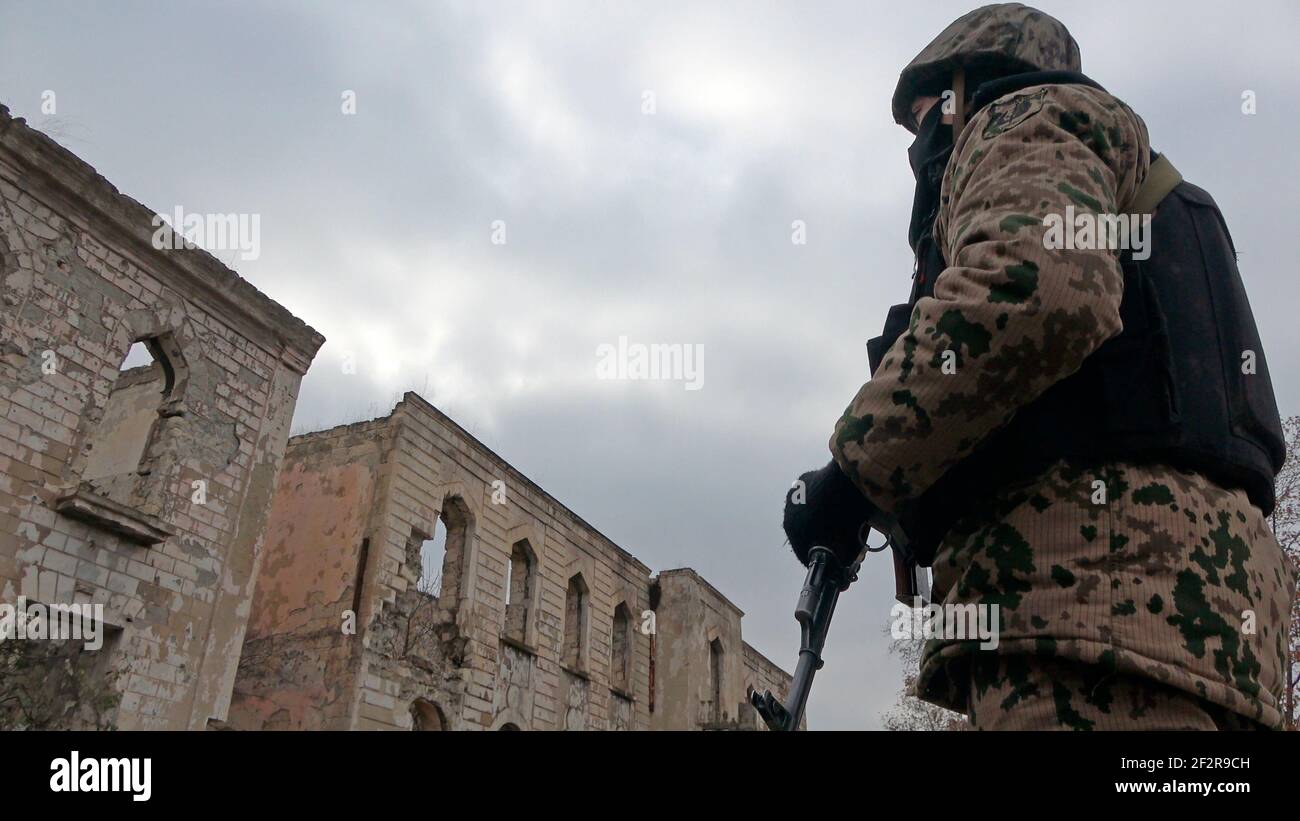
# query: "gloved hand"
[831,514]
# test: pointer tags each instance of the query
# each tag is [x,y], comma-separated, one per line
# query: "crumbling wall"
[490,678]
[381,487]
[696,692]
[170,547]
[357,502]
[300,656]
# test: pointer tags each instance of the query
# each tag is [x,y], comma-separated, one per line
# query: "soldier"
[1081,437]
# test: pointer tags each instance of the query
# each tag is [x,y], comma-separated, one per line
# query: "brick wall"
[80,283]
[147,491]
[401,473]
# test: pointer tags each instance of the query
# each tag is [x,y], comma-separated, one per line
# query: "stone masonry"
[143,490]
[391,574]
[537,620]
[703,670]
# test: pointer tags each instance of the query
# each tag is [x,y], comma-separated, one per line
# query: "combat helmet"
[1003,38]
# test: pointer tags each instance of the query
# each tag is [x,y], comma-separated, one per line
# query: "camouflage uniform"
[1170,584]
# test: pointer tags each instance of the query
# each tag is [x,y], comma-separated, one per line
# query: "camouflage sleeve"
[1009,316]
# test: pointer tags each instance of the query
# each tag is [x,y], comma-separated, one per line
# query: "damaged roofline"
[687,571]
[428,407]
[41,159]
[425,406]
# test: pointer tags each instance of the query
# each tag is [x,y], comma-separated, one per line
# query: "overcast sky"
[665,227]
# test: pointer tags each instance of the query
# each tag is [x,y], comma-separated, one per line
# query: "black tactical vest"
[1175,387]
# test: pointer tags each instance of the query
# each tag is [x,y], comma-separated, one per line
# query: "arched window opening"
[456,518]
[575,623]
[620,656]
[716,713]
[520,582]
[426,716]
[440,556]
[120,443]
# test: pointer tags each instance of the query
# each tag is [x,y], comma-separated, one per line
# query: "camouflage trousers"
[1168,578]
[1025,692]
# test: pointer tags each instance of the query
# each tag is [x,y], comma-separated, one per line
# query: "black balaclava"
[928,156]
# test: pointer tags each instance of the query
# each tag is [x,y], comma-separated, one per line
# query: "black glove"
[831,515]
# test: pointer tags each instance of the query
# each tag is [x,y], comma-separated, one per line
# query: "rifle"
[827,578]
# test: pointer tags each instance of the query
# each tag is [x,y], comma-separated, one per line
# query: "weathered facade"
[395,574]
[522,616]
[703,669]
[144,490]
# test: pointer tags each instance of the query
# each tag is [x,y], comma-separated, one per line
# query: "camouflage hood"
[1004,35]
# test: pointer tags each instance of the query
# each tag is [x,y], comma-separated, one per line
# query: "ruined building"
[143,489]
[394,574]
[413,579]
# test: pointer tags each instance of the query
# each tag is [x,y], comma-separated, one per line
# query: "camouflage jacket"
[1169,575]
